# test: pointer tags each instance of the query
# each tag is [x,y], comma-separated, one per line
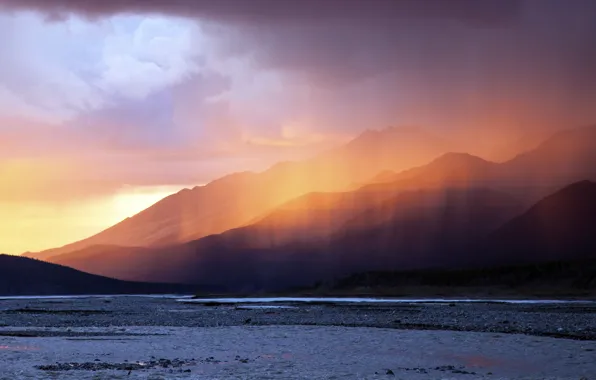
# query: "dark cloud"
[433,62]
[474,11]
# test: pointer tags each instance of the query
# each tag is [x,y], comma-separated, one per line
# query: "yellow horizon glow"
[36,226]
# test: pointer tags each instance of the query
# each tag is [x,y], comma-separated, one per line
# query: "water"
[260,300]
[373,300]
[100,296]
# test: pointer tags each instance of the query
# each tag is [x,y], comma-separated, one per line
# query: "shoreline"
[124,338]
[561,319]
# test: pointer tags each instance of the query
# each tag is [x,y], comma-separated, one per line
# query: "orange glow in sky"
[24,226]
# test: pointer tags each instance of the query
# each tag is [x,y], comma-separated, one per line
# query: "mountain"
[308,218]
[408,230]
[423,229]
[444,229]
[430,215]
[21,276]
[450,169]
[549,248]
[566,157]
[560,227]
[522,144]
[110,260]
[237,199]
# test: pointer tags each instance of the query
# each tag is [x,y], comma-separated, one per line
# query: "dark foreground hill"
[21,276]
[562,226]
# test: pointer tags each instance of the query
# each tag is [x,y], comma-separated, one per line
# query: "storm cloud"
[264,80]
[271,11]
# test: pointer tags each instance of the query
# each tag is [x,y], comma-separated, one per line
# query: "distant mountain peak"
[387,138]
[568,139]
[453,160]
[459,157]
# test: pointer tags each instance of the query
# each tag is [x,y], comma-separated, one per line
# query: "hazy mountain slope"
[449,228]
[309,218]
[250,258]
[108,260]
[311,226]
[24,276]
[240,199]
[420,227]
[423,228]
[560,227]
[550,247]
[416,230]
[450,169]
[235,200]
[566,157]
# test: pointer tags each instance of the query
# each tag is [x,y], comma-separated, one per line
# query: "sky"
[105,107]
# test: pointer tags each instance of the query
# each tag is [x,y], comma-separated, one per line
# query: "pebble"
[574,321]
[126,366]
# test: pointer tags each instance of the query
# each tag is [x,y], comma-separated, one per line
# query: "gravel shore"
[141,337]
[572,321]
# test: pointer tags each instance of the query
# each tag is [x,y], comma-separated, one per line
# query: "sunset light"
[30,226]
[363,189]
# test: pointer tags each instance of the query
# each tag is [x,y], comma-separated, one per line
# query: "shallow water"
[373,300]
[100,296]
[242,300]
[302,352]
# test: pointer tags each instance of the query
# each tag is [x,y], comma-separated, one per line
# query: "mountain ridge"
[238,198]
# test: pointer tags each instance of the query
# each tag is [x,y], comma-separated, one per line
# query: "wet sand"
[160,338]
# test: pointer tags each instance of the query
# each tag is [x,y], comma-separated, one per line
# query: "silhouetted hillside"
[560,227]
[425,227]
[112,261]
[24,276]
